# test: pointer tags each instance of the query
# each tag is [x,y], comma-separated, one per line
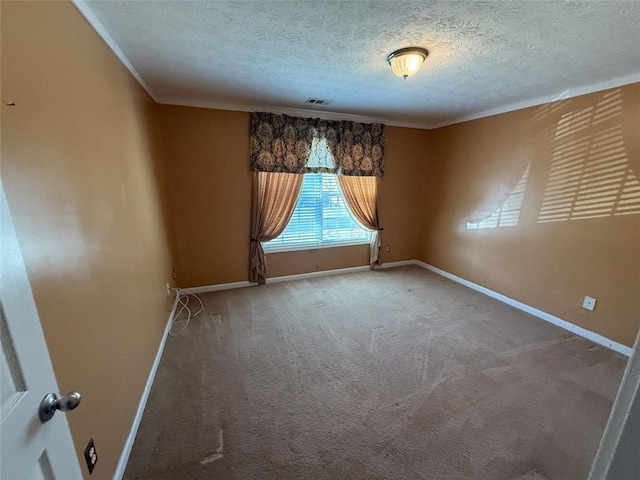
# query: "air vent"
[318,101]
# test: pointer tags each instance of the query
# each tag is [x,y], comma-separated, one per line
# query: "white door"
[29,448]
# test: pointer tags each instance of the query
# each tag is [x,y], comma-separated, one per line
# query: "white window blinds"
[321,217]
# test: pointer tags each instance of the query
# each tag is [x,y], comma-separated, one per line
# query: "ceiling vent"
[318,101]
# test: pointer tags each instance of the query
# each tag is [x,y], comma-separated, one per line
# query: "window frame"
[298,248]
[318,246]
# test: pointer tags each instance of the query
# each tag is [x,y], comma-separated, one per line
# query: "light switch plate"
[589,303]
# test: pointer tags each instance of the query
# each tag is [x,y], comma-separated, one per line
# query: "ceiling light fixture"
[407,61]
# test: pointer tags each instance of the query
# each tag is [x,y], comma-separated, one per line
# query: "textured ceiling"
[484,56]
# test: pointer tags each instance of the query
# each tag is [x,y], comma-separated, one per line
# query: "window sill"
[301,248]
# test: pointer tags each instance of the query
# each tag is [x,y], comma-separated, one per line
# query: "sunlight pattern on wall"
[589,175]
[509,213]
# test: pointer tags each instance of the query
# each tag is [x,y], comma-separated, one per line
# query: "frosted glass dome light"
[407,61]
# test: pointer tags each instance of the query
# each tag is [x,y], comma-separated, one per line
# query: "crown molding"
[329,115]
[89,15]
[294,112]
[570,93]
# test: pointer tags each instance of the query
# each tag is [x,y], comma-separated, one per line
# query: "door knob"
[50,403]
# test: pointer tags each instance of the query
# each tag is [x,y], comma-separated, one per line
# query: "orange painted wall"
[78,167]
[551,265]
[207,157]
[110,192]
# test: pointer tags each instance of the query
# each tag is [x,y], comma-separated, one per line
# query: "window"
[321,217]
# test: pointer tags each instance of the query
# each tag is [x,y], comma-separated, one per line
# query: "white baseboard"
[284,278]
[592,336]
[321,273]
[583,332]
[128,445]
[217,287]
[400,263]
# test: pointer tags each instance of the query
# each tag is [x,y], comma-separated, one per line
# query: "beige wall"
[207,157]
[549,265]
[78,169]
[94,209]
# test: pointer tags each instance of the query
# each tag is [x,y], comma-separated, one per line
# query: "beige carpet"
[393,374]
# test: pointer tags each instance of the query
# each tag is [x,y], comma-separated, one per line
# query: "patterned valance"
[280,143]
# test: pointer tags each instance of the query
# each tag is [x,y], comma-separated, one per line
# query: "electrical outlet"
[174,274]
[91,456]
[387,248]
[589,303]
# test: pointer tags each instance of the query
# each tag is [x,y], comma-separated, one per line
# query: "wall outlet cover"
[589,303]
[91,456]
